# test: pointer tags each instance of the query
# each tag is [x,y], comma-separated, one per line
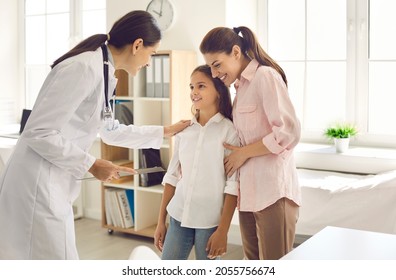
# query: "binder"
[150,79]
[108,211]
[165,75]
[130,195]
[157,76]
[126,213]
[115,209]
[150,158]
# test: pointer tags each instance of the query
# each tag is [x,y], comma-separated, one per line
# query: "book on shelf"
[116,209]
[126,214]
[131,197]
[108,212]
[119,207]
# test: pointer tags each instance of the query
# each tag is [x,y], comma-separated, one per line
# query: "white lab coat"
[39,183]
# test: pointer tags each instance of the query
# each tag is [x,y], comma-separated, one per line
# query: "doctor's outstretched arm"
[140,137]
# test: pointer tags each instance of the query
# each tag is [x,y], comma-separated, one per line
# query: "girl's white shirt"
[197,171]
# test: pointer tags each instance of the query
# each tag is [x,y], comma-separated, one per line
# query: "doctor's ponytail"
[132,26]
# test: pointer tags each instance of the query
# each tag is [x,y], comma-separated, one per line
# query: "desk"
[334,243]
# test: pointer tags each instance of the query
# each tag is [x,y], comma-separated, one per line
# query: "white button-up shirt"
[197,171]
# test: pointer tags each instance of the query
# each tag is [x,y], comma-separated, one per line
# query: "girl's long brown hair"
[222,39]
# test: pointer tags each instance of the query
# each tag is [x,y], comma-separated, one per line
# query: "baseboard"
[92,214]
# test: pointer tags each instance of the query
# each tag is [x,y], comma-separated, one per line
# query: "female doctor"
[40,181]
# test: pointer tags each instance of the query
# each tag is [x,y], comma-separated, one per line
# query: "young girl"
[269,130]
[198,197]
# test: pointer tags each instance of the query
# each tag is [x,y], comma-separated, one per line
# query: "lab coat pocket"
[59,182]
[247,115]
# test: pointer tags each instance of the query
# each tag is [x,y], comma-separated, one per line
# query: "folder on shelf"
[150,159]
[131,200]
[150,79]
[157,76]
[125,210]
[115,209]
[108,212]
[165,75]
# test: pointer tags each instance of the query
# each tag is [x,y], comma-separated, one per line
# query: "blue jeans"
[180,240]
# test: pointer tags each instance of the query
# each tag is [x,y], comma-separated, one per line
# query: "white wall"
[242,13]
[193,19]
[10,94]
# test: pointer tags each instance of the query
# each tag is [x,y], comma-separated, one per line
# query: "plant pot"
[341,144]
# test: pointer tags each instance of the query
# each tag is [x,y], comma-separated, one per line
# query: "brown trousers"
[269,234]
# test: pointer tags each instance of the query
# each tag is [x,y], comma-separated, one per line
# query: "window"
[52,27]
[340,60]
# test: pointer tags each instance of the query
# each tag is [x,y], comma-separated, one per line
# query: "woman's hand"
[106,171]
[176,128]
[235,160]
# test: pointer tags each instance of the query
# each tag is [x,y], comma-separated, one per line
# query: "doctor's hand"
[106,171]
[176,128]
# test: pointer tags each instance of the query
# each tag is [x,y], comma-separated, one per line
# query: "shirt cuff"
[231,188]
[273,146]
[83,169]
[170,179]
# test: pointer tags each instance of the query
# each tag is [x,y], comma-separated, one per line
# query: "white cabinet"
[172,105]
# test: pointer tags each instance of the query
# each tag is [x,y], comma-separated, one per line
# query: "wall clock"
[163,12]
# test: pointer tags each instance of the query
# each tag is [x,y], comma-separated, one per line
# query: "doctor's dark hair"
[225,104]
[132,26]
[222,39]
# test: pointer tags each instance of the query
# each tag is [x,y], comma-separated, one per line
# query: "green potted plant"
[341,134]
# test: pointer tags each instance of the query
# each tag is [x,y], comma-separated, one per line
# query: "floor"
[95,243]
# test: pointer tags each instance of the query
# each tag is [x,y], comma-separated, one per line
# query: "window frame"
[357,74]
[75,36]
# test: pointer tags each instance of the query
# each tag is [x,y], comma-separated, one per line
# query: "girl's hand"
[217,244]
[159,236]
[235,160]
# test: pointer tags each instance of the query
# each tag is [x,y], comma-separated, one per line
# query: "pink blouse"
[262,110]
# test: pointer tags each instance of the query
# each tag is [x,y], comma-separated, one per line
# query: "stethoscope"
[108,113]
